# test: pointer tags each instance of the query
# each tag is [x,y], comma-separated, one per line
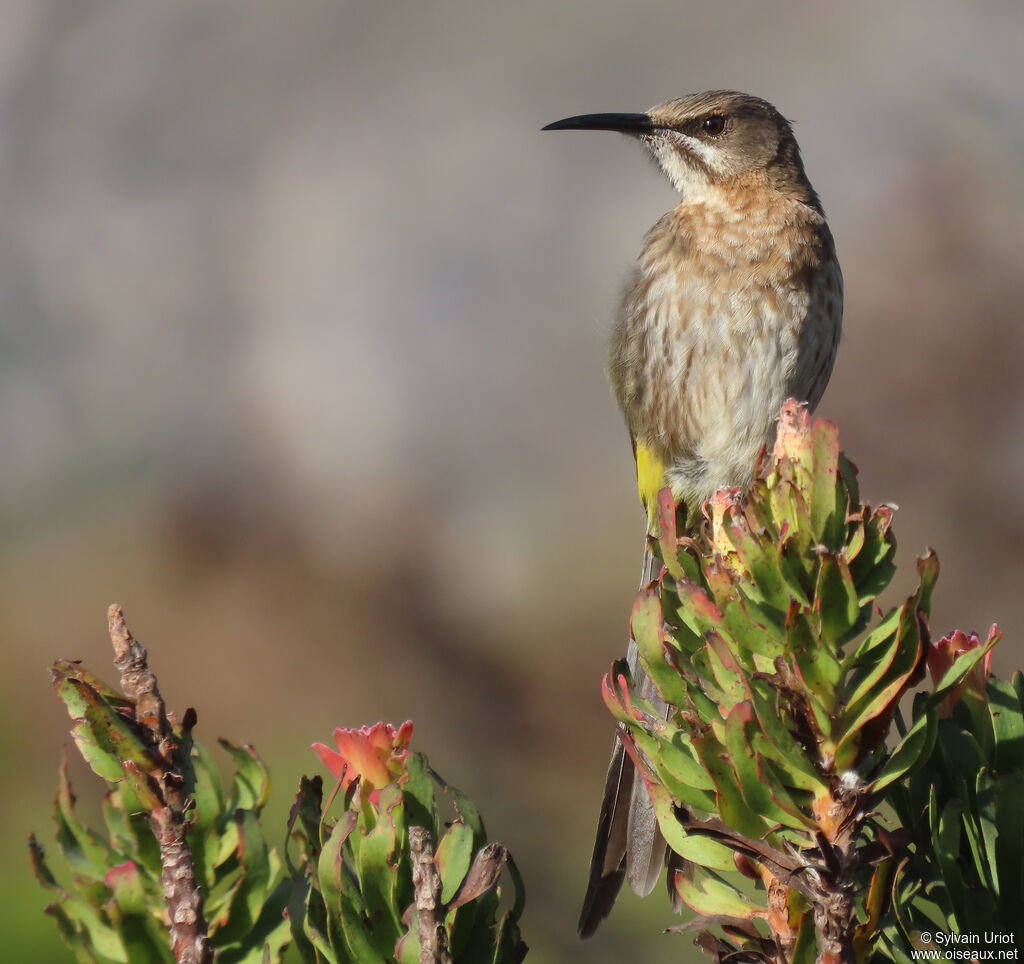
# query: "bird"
[734,305]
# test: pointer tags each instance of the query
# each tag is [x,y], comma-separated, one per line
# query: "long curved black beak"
[624,123]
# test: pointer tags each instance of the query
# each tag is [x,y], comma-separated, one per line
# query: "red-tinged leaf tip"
[794,422]
[667,514]
[126,874]
[610,696]
[646,615]
[701,603]
[615,693]
[724,501]
[884,513]
[650,778]
[742,712]
[627,700]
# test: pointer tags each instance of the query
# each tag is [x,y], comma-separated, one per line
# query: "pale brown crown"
[720,135]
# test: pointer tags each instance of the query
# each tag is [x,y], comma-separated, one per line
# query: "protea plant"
[763,633]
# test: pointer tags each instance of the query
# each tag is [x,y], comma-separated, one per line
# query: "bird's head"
[711,139]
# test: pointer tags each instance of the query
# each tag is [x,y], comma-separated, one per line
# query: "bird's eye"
[714,125]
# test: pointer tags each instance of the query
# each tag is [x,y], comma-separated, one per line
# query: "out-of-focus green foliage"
[353,896]
[965,873]
[351,893]
[762,631]
[113,908]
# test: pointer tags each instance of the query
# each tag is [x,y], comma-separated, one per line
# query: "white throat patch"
[670,149]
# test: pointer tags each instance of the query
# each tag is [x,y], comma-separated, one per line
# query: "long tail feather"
[628,843]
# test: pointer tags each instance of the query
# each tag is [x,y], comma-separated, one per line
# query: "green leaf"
[945,826]
[467,811]
[905,889]
[254,880]
[881,687]
[986,816]
[667,535]
[298,893]
[304,819]
[714,896]
[874,582]
[754,783]
[70,669]
[1007,725]
[346,929]
[781,785]
[619,698]
[407,951]
[137,788]
[962,665]
[39,866]
[143,942]
[125,832]
[648,632]
[330,867]
[732,806]
[226,847]
[700,849]
[962,757]
[453,857]
[379,862]
[696,609]
[88,932]
[518,887]
[250,786]
[793,568]
[828,498]
[782,746]
[790,510]
[912,750]
[729,675]
[765,583]
[677,756]
[887,660]
[836,600]
[101,734]
[205,790]
[418,794]
[690,564]
[653,747]
[928,572]
[674,766]
[1009,846]
[269,936]
[510,949]
[131,825]
[806,949]
[869,650]
[817,666]
[874,906]
[85,852]
[752,630]
[359,938]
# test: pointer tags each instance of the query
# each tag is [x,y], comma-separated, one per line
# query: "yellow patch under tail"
[650,480]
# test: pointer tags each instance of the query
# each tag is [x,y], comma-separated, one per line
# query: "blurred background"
[303,330]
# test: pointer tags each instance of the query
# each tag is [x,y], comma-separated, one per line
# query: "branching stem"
[189,941]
